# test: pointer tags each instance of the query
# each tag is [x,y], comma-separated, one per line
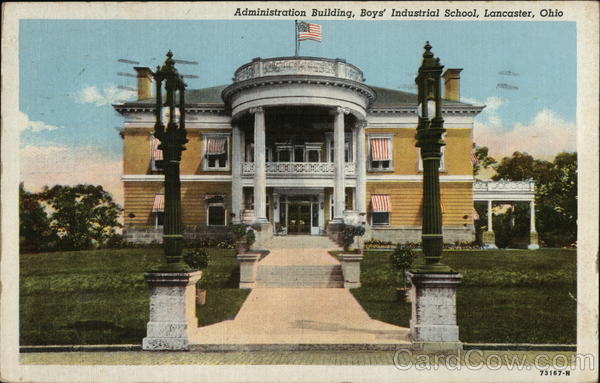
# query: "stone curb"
[298,347]
[519,347]
[82,348]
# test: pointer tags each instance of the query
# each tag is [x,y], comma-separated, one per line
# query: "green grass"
[510,296]
[100,297]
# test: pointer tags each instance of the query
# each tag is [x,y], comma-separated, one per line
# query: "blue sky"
[68,70]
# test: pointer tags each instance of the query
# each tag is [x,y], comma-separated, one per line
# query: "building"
[294,145]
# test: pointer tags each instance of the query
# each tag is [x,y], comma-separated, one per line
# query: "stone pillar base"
[172,310]
[433,321]
[489,240]
[248,265]
[351,269]
[534,243]
[263,232]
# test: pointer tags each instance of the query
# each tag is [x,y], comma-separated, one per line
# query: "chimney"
[144,82]
[452,84]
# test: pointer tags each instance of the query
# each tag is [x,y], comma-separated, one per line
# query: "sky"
[524,72]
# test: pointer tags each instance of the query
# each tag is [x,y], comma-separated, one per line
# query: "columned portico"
[507,192]
[260,176]
[340,187]
[361,170]
[236,174]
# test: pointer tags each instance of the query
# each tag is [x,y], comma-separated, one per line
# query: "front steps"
[296,276]
[300,242]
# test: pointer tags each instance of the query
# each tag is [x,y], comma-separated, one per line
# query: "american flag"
[308,31]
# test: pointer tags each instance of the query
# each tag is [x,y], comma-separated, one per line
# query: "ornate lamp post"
[429,138]
[172,141]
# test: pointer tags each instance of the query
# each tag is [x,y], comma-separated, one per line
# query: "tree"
[556,193]
[483,160]
[35,233]
[556,201]
[83,216]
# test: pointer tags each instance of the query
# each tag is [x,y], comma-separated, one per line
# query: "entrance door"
[299,217]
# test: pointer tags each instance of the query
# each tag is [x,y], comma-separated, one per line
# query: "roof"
[385,97]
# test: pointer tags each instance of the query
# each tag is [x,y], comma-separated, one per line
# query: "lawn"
[506,296]
[100,297]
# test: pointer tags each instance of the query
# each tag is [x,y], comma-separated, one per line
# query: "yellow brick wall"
[405,154]
[406,199]
[137,152]
[139,197]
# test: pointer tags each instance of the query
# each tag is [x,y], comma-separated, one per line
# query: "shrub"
[197,259]
[402,259]
[243,233]
[348,233]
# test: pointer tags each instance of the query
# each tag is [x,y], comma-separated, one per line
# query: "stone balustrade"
[502,185]
[314,66]
[300,168]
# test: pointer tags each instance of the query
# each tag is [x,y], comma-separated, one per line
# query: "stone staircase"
[300,242]
[287,276]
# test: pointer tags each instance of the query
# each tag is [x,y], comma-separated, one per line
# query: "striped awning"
[159,203]
[157,154]
[215,146]
[379,149]
[380,203]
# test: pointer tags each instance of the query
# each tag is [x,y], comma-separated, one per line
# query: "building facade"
[296,144]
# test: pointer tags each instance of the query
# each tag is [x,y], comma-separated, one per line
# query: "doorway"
[299,217]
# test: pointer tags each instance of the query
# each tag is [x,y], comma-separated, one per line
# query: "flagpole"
[296,36]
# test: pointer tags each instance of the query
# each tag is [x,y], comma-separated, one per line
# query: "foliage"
[556,193]
[402,259]
[35,233]
[348,233]
[243,233]
[82,216]
[512,225]
[197,259]
[376,244]
[483,159]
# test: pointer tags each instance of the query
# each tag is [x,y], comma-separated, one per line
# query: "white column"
[532,216]
[276,207]
[489,216]
[361,169]
[260,177]
[236,174]
[339,184]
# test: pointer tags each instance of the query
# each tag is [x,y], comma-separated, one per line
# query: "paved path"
[301,316]
[265,358]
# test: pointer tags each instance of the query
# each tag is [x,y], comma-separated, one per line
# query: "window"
[380,153]
[381,208]
[216,152]
[155,153]
[215,210]
[313,151]
[158,210]
[299,153]
[284,152]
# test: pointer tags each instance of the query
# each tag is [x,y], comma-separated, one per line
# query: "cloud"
[546,135]
[52,165]
[110,95]
[24,123]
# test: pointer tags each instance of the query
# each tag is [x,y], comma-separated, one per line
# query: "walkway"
[300,306]
[295,316]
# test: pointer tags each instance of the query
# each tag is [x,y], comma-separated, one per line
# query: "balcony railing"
[517,186]
[314,169]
